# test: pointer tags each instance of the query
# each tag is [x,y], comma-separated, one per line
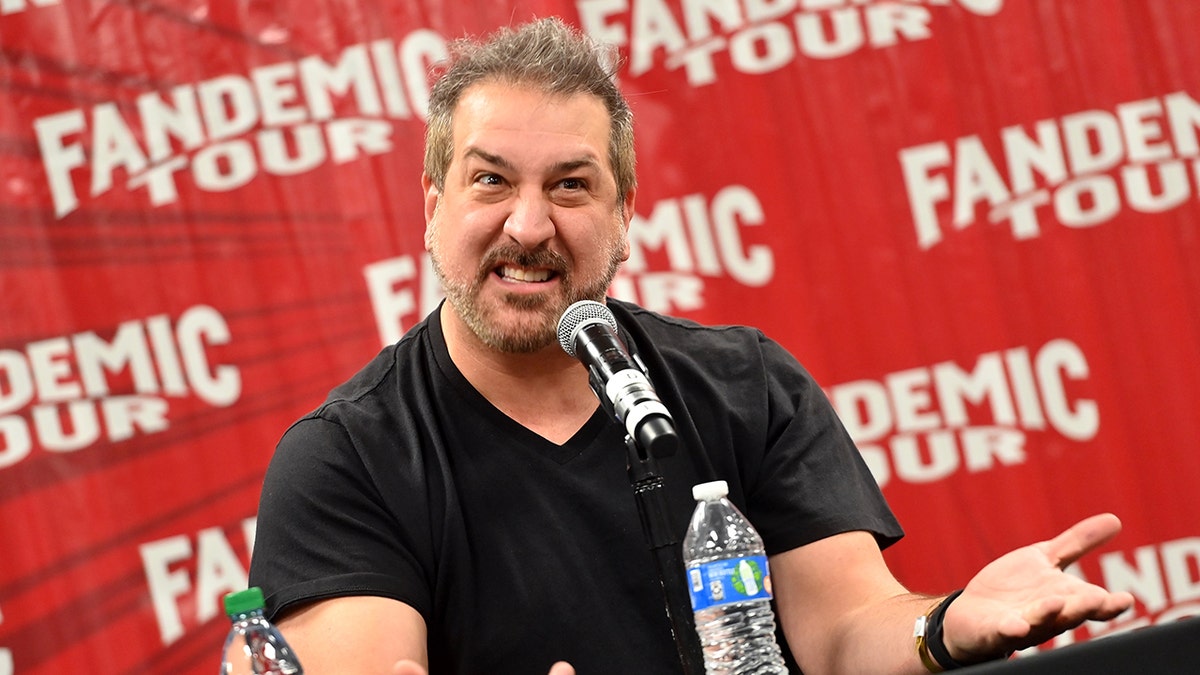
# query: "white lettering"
[228,105]
[15,441]
[58,158]
[310,150]
[81,429]
[758,34]
[278,95]
[1163,578]
[51,367]
[113,147]
[661,291]
[167,584]
[198,328]
[390,286]
[219,571]
[847,34]
[716,236]
[1172,178]
[1056,359]
[924,189]
[1067,164]
[161,123]
[1142,131]
[956,387]
[911,399]
[319,79]
[201,126]
[420,50]
[975,179]
[224,166]
[1181,560]
[67,381]
[922,423]
[13,7]
[1093,140]
[734,206]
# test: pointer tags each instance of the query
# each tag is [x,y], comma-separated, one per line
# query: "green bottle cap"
[241,602]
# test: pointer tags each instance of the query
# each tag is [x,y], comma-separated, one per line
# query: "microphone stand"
[667,548]
[654,437]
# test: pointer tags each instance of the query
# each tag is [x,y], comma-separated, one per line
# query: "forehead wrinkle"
[565,166]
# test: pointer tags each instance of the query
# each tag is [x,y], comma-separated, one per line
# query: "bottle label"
[720,582]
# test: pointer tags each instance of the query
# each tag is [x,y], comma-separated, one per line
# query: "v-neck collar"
[584,437]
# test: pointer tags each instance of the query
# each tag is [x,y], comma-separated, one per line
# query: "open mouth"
[523,274]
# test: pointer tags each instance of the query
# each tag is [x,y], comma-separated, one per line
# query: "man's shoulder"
[657,320]
[382,379]
[685,333]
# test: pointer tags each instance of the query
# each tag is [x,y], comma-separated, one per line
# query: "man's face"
[529,220]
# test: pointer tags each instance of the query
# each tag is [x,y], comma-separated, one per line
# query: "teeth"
[521,274]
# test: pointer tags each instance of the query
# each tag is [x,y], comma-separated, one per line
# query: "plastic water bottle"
[254,645]
[730,587]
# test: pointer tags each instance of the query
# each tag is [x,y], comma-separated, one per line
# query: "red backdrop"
[975,221]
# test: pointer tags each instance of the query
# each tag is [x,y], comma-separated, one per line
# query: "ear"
[627,215]
[432,195]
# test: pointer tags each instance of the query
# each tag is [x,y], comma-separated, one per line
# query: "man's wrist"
[930,639]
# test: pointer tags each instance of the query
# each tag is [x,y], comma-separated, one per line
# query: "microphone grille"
[578,315]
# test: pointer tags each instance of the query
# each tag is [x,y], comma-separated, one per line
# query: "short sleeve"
[325,530]
[812,481]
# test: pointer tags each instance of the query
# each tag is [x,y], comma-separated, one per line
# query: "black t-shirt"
[407,483]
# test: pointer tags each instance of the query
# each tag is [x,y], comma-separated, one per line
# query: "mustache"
[515,255]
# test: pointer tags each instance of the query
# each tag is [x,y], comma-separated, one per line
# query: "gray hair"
[546,54]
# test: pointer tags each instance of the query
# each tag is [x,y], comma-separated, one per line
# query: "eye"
[573,184]
[489,179]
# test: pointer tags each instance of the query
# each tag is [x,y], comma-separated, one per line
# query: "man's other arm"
[357,635]
[844,612]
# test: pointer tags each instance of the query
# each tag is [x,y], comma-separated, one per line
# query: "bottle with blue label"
[730,587]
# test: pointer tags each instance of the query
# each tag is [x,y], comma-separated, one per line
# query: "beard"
[523,323]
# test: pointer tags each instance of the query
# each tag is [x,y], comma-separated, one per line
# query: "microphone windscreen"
[578,315]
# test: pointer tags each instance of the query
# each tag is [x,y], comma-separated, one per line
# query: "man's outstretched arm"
[844,612]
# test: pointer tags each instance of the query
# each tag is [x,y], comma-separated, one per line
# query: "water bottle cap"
[708,491]
[241,602]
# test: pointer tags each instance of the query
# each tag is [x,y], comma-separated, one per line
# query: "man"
[462,503]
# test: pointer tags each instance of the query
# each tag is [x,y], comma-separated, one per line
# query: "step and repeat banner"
[977,223]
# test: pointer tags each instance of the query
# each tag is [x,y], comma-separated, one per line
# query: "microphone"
[588,332]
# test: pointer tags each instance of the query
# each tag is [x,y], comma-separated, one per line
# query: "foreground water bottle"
[730,587]
[254,645]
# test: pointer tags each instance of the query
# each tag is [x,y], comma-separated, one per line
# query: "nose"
[529,222]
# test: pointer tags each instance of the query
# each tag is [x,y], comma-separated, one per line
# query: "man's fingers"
[1080,538]
[1117,604]
[1063,612]
[1044,610]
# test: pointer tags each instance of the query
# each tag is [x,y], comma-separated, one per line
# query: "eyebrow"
[489,158]
[560,167]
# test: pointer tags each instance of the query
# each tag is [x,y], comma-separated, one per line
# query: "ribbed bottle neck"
[242,616]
